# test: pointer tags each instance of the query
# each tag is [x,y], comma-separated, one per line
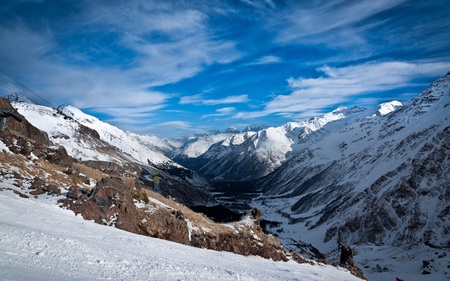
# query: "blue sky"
[173,68]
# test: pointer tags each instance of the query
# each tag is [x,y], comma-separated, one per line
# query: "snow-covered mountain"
[43,240]
[196,145]
[86,138]
[251,155]
[371,178]
[357,176]
[63,126]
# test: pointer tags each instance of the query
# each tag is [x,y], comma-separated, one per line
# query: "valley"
[374,179]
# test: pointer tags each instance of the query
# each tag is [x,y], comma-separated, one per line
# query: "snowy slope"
[79,142]
[372,178]
[145,149]
[65,129]
[195,146]
[40,241]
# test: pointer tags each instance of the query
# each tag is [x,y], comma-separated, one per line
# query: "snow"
[66,132]
[62,131]
[191,228]
[4,148]
[157,202]
[139,147]
[388,107]
[40,241]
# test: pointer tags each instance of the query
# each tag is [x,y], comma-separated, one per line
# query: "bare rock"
[59,156]
[168,225]
[74,193]
[111,204]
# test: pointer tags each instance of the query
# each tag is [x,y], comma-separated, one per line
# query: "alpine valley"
[375,179]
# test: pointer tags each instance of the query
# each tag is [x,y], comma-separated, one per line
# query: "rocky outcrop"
[23,129]
[168,225]
[110,203]
[112,168]
[58,156]
[113,203]
[251,241]
[346,261]
[24,138]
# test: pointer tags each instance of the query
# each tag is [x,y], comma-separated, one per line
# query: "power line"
[9,86]
[41,98]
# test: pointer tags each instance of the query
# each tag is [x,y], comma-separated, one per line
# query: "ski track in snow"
[40,241]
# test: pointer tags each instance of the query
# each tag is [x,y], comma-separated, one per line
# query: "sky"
[175,68]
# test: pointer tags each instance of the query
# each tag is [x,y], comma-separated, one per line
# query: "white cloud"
[225,111]
[199,99]
[169,43]
[337,19]
[173,42]
[338,85]
[173,129]
[260,5]
[266,60]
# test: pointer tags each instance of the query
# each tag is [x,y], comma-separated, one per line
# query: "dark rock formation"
[39,187]
[59,156]
[24,128]
[346,261]
[346,258]
[243,243]
[111,203]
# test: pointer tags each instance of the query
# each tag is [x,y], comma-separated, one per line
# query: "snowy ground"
[40,241]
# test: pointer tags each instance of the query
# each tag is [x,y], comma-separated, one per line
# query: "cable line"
[47,102]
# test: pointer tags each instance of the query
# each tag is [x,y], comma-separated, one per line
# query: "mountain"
[41,182]
[195,145]
[377,179]
[105,147]
[374,178]
[251,155]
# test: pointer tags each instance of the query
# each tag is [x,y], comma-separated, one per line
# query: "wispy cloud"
[266,60]
[167,44]
[140,63]
[338,85]
[267,4]
[199,99]
[225,111]
[172,42]
[340,19]
[175,128]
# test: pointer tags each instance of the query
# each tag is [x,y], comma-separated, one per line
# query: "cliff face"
[23,130]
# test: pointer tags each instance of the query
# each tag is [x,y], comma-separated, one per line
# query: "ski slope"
[40,241]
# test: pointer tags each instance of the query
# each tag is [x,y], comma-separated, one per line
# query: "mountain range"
[357,176]
[374,178]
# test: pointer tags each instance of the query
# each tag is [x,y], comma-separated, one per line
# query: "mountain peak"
[232,130]
[388,107]
[255,128]
[17,97]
